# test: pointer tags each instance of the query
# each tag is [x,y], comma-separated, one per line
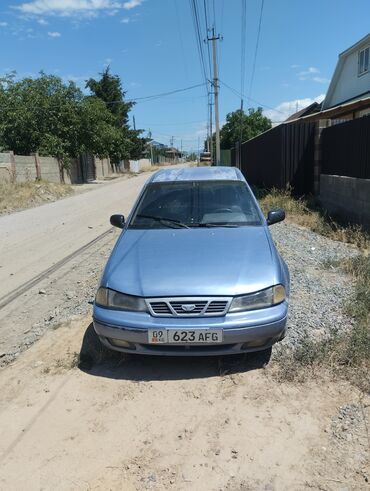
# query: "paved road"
[34,240]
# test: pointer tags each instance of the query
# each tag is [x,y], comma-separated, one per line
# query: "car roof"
[204,173]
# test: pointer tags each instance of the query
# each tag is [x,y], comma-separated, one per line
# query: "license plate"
[185,336]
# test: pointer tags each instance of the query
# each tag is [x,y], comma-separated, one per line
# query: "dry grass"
[17,196]
[306,213]
[345,355]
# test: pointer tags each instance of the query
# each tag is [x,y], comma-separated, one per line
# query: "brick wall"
[346,197]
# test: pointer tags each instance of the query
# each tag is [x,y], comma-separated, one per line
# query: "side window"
[363,61]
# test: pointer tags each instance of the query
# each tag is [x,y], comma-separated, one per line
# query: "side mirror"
[117,221]
[275,216]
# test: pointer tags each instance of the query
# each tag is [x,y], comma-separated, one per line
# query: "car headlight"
[115,300]
[259,300]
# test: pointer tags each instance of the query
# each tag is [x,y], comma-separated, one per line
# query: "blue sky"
[151,45]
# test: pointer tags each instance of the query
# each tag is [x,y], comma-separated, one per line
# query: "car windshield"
[196,204]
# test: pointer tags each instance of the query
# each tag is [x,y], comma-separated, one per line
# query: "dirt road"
[35,239]
[37,273]
[182,424]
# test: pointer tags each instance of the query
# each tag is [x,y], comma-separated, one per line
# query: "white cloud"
[295,66]
[312,74]
[42,22]
[283,110]
[309,71]
[54,34]
[3,24]
[321,80]
[126,20]
[64,8]
[132,4]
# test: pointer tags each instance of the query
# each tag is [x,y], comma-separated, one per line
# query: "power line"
[256,50]
[243,45]
[157,96]
[199,43]
[238,94]
[194,9]
[207,29]
[173,124]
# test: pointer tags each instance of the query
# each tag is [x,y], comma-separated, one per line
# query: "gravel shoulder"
[318,294]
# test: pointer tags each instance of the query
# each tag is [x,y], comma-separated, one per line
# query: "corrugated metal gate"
[281,157]
[346,149]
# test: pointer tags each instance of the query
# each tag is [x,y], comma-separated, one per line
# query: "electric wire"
[256,51]
[238,94]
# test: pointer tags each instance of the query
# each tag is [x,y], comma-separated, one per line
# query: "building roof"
[338,69]
[356,104]
[198,174]
[311,109]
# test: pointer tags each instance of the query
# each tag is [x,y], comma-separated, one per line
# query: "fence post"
[320,126]
[38,166]
[13,170]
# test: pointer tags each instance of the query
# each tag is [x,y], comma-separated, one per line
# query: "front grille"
[216,307]
[196,307]
[188,306]
[160,308]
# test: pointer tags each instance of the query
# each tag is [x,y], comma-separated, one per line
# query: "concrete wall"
[346,197]
[25,168]
[49,168]
[103,168]
[139,165]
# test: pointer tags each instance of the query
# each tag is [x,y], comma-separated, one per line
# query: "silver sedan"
[194,271]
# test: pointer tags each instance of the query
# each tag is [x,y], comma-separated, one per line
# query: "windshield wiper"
[169,221]
[217,224]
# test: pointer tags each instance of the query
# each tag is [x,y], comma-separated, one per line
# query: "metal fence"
[346,149]
[280,157]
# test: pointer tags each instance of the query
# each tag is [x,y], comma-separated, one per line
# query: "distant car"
[205,157]
[194,271]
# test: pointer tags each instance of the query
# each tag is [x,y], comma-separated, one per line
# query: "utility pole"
[151,147]
[211,129]
[134,122]
[216,87]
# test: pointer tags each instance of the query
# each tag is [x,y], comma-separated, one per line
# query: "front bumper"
[242,332]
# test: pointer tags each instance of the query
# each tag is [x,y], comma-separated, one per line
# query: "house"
[351,80]
[313,108]
[348,95]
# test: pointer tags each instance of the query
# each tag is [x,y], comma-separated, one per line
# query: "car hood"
[187,262]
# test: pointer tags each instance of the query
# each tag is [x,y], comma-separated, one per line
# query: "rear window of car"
[196,203]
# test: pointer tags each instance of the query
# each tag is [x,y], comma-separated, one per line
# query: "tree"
[40,114]
[109,89]
[241,126]
[49,116]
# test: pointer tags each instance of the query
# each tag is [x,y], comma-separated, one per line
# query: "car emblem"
[188,307]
